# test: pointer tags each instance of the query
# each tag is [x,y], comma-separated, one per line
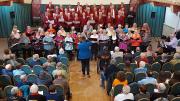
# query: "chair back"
[156,67]
[139,76]
[50,69]
[150,88]
[176,99]
[7,90]
[119,60]
[60,90]
[176,67]
[32,78]
[175,89]
[26,69]
[133,66]
[21,61]
[167,67]
[134,88]
[43,60]
[37,69]
[5,80]
[150,59]
[121,66]
[144,99]
[16,79]
[155,74]
[64,60]
[44,89]
[117,90]
[130,77]
[158,58]
[29,60]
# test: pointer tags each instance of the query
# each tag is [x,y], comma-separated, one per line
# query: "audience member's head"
[6,51]
[150,74]
[59,74]
[161,87]
[121,76]
[143,55]
[143,89]
[58,65]
[176,56]
[8,67]
[126,89]
[52,89]
[14,91]
[61,51]
[36,57]
[116,49]
[34,89]
[142,64]
[23,78]
[138,49]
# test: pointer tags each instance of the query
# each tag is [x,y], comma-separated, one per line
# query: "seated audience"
[6,55]
[116,53]
[175,78]
[120,79]
[125,95]
[138,52]
[143,93]
[35,60]
[15,95]
[13,61]
[60,80]
[18,71]
[53,95]
[148,80]
[59,67]
[176,59]
[143,57]
[142,68]
[34,94]
[159,93]
[44,79]
[7,70]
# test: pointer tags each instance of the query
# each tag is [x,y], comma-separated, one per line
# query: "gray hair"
[14,91]
[34,88]
[126,89]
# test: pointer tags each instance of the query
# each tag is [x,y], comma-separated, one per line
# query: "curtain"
[144,15]
[22,18]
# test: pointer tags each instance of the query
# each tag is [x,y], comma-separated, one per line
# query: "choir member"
[50,7]
[68,21]
[61,9]
[69,46]
[88,29]
[103,40]
[76,22]
[109,19]
[83,20]
[136,40]
[92,20]
[120,18]
[112,34]
[51,30]
[123,41]
[78,7]
[100,19]
[61,20]
[29,33]
[59,40]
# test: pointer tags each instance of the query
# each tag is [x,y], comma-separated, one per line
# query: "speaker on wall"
[12,14]
[153,15]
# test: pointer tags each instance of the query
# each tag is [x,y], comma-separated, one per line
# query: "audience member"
[44,79]
[125,95]
[120,79]
[7,70]
[13,61]
[143,93]
[34,94]
[35,60]
[15,95]
[142,68]
[148,80]
[18,71]
[53,95]
[6,55]
[116,53]
[59,67]
[60,80]
[159,93]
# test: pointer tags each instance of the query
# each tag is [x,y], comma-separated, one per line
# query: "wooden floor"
[86,89]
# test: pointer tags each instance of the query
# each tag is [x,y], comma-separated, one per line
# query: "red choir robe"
[83,21]
[120,20]
[68,22]
[76,22]
[51,8]
[92,21]
[109,20]
[61,21]
[100,20]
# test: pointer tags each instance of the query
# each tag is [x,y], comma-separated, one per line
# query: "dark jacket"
[84,50]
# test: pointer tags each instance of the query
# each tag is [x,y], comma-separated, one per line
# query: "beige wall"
[28,1]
